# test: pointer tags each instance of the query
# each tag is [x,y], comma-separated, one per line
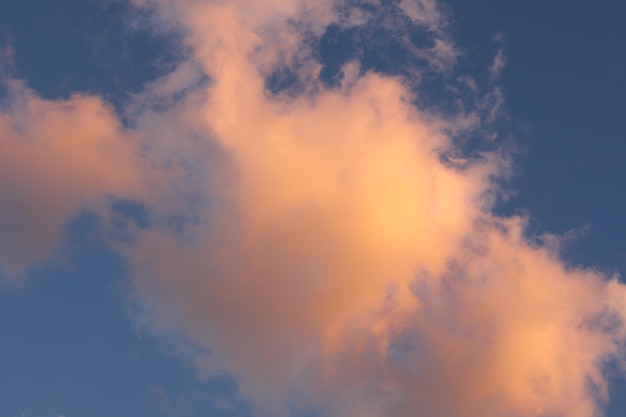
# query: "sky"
[312,208]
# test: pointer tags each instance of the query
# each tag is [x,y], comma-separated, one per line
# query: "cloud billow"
[335,249]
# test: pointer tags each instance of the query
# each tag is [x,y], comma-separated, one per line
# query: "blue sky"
[85,329]
[565,81]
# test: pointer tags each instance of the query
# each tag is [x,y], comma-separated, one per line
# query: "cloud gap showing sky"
[320,230]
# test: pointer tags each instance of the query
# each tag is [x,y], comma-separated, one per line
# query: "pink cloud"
[333,254]
[57,159]
[343,264]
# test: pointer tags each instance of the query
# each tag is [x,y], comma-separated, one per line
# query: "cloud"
[341,262]
[334,248]
[57,159]
[495,71]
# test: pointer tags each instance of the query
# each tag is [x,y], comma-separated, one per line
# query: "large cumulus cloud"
[330,245]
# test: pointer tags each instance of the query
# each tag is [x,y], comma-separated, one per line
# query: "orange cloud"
[342,264]
[326,248]
[57,159]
